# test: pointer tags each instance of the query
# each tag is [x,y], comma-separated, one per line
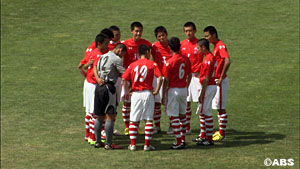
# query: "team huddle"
[145,75]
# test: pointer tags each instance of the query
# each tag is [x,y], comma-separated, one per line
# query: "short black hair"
[190,24]
[142,50]
[114,28]
[107,32]
[203,42]
[100,38]
[160,29]
[174,44]
[212,30]
[121,46]
[136,24]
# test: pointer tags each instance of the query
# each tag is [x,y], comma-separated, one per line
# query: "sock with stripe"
[209,125]
[176,128]
[148,132]
[126,113]
[188,116]
[157,114]
[133,132]
[87,125]
[182,127]
[202,126]
[222,119]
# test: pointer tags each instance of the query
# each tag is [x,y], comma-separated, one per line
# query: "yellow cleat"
[89,140]
[218,137]
[126,131]
[92,142]
[216,133]
[140,131]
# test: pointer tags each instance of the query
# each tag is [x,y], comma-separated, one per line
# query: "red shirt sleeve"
[223,52]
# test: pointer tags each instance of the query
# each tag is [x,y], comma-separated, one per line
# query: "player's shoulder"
[220,44]
[183,42]
[145,42]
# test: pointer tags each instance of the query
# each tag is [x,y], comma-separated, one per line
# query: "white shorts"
[194,88]
[124,97]
[118,88]
[158,97]
[84,84]
[142,106]
[176,103]
[205,108]
[219,101]
[89,96]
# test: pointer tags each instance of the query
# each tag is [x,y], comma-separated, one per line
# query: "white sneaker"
[170,130]
[148,148]
[132,147]
[117,133]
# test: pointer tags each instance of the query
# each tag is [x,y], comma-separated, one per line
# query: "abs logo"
[279,162]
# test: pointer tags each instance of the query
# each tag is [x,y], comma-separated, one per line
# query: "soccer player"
[207,92]
[107,71]
[132,55]
[140,73]
[86,63]
[223,60]
[161,54]
[189,49]
[116,39]
[177,73]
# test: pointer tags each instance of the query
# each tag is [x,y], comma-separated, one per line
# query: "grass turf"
[42,119]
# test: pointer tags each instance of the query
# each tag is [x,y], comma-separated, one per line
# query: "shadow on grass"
[162,141]
[236,138]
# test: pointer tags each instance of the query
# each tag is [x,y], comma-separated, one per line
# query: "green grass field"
[42,118]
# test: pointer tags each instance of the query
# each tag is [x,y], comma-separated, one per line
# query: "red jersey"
[177,69]
[208,69]
[161,53]
[132,50]
[141,73]
[95,54]
[189,49]
[88,51]
[220,52]
[112,45]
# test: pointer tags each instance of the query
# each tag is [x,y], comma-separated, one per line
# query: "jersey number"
[181,71]
[142,73]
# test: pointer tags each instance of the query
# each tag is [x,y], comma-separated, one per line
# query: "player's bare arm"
[80,68]
[99,80]
[165,87]
[204,86]
[125,83]
[90,62]
[227,63]
[158,86]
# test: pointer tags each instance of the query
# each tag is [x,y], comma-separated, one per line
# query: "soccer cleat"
[117,133]
[132,147]
[188,132]
[89,140]
[170,130]
[216,133]
[148,148]
[177,146]
[218,137]
[92,143]
[126,131]
[98,145]
[156,130]
[140,131]
[112,146]
[205,143]
[102,140]
[198,139]
[86,138]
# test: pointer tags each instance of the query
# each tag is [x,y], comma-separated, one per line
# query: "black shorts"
[105,99]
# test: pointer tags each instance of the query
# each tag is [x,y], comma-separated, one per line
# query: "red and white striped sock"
[126,113]
[202,126]
[87,125]
[92,130]
[148,133]
[157,114]
[133,132]
[176,128]
[209,125]
[188,117]
[222,119]
[183,127]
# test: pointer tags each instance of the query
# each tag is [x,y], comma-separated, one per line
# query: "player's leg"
[147,115]
[157,116]
[182,116]
[221,96]
[89,103]
[188,117]
[125,109]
